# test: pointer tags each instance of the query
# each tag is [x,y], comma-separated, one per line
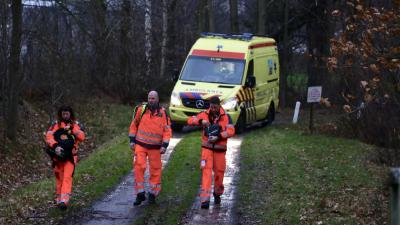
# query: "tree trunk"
[164,37]
[100,67]
[285,58]
[14,74]
[202,15]
[147,33]
[125,47]
[211,23]
[3,62]
[317,42]
[234,16]
[261,17]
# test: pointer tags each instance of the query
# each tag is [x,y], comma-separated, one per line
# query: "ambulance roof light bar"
[244,36]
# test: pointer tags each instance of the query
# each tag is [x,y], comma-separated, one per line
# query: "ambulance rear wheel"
[270,114]
[240,126]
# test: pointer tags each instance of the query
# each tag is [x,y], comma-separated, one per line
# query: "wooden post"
[311,125]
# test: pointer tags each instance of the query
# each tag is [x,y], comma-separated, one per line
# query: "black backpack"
[212,130]
[65,140]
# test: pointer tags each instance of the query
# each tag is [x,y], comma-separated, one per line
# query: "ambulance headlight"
[175,100]
[230,103]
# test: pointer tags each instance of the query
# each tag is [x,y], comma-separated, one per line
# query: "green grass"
[180,183]
[104,121]
[287,177]
[101,171]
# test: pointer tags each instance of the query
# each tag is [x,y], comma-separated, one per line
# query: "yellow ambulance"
[242,70]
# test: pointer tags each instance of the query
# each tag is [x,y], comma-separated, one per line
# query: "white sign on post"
[314,94]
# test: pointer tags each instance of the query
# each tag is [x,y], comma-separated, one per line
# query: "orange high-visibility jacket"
[224,121]
[153,130]
[76,131]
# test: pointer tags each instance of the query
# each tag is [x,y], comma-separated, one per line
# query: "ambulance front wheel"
[240,126]
[177,127]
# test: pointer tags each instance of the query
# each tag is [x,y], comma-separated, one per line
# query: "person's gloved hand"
[212,139]
[205,123]
[59,151]
[163,150]
[132,145]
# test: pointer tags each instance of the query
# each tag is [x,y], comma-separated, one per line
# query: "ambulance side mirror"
[251,81]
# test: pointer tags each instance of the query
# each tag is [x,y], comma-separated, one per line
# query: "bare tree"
[147,33]
[202,15]
[3,59]
[14,73]
[261,17]
[285,56]
[100,38]
[233,5]
[210,10]
[164,37]
[125,70]
[317,40]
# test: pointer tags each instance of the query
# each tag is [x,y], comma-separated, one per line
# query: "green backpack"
[141,113]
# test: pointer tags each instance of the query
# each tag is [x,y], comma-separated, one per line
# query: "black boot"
[62,206]
[217,199]
[140,198]
[152,199]
[205,205]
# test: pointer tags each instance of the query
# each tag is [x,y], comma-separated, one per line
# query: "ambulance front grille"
[196,103]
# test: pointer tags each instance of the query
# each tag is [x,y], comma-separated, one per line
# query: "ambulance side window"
[250,69]
[270,66]
[276,65]
[250,78]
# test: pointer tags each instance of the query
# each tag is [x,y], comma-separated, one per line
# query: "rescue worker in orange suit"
[62,139]
[149,135]
[217,128]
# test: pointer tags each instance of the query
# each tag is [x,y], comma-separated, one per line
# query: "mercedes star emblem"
[199,104]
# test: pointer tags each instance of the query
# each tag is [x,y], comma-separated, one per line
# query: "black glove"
[213,130]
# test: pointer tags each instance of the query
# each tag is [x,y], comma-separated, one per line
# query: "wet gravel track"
[117,206]
[223,213]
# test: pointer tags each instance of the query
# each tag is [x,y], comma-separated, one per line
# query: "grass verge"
[95,175]
[287,177]
[180,183]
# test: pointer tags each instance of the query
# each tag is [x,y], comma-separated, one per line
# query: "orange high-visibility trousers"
[63,172]
[212,161]
[140,163]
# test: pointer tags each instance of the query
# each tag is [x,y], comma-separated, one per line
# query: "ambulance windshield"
[213,70]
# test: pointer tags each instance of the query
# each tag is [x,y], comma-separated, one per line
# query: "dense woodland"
[55,52]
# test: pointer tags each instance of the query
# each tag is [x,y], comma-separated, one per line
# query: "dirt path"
[223,213]
[117,207]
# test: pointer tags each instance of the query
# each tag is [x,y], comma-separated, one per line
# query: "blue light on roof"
[243,37]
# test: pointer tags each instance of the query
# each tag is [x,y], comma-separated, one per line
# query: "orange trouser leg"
[155,171]
[139,165]
[219,170]
[59,174]
[206,165]
[64,171]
